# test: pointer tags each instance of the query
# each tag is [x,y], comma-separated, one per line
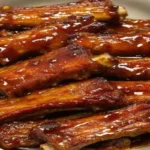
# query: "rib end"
[122,12]
[46,147]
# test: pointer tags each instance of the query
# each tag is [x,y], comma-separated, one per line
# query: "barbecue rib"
[95,93]
[116,144]
[115,44]
[136,91]
[50,37]
[132,87]
[13,18]
[122,143]
[16,134]
[128,26]
[71,62]
[44,38]
[78,133]
[130,69]
[82,90]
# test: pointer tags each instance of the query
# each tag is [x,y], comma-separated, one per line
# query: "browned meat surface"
[43,39]
[115,44]
[6,33]
[16,134]
[17,17]
[125,143]
[129,26]
[94,93]
[76,134]
[131,69]
[71,62]
[136,91]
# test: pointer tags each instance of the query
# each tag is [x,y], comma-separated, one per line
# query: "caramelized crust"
[44,38]
[78,133]
[16,134]
[116,44]
[72,62]
[136,91]
[116,144]
[122,143]
[94,93]
[17,17]
[129,26]
[6,33]
[131,69]
[132,87]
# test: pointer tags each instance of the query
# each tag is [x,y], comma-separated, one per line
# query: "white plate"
[138,9]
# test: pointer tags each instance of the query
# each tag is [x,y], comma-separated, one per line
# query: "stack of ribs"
[74,76]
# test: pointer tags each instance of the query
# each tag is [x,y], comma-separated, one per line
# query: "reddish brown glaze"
[115,44]
[72,62]
[122,143]
[129,26]
[132,87]
[13,17]
[131,69]
[44,38]
[6,33]
[94,93]
[75,134]
[16,134]
[136,91]
[116,144]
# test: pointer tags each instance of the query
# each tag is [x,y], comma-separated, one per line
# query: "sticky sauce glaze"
[33,16]
[121,143]
[84,95]
[115,44]
[16,134]
[132,87]
[129,26]
[131,69]
[75,134]
[135,91]
[48,70]
[44,38]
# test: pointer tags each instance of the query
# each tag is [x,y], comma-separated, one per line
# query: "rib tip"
[105,60]
[46,147]
[122,12]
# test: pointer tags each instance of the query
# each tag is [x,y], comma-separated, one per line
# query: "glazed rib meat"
[16,134]
[136,91]
[124,143]
[130,69]
[91,94]
[116,144]
[6,33]
[129,26]
[116,44]
[78,133]
[95,93]
[71,62]
[44,38]
[17,17]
